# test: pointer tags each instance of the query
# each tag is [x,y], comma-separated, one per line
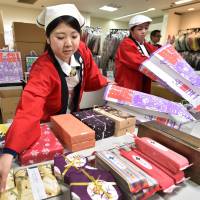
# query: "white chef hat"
[137,20]
[52,12]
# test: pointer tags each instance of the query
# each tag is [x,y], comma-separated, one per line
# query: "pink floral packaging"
[43,150]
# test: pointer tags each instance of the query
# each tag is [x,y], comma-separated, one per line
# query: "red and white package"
[165,182]
[161,154]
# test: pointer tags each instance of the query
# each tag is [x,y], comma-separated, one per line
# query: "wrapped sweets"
[66,163]
[177,177]
[11,191]
[144,193]
[130,178]
[26,185]
[165,182]
[161,154]
[43,150]
[102,125]
[123,121]
[92,184]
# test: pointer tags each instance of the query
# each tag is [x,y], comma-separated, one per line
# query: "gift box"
[72,133]
[122,120]
[10,67]
[182,143]
[161,154]
[165,182]
[102,125]
[92,183]
[168,67]
[44,149]
[143,104]
[36,182]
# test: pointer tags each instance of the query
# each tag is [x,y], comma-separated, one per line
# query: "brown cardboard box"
[184,144]
[27,32]
[9,99]
[120,132]
[121,121]
[26,47]
[160,91]
[72,132]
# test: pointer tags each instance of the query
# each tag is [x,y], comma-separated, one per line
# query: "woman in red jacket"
[132,51]
[57,81]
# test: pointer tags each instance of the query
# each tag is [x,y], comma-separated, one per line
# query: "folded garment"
[92,183]
[165,182]
[161,154]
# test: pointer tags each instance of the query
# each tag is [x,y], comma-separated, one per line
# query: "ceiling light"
[108,8]
[190,9]
[182,1]
[144,11]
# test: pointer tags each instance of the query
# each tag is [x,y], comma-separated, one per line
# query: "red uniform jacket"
[127,62]
[41,98]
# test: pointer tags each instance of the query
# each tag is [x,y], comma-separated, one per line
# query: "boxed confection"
[102,125]
[168,67]
[182,143]
[72,133]
[122,120]
[44,149]
[147,107]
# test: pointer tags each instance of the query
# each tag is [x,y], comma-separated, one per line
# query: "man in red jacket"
[132,51]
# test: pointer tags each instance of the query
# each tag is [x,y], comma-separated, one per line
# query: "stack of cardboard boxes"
[28,37]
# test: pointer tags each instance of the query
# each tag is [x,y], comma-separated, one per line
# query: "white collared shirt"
[144,50]
[72,81]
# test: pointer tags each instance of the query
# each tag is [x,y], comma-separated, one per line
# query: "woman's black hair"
[68,20]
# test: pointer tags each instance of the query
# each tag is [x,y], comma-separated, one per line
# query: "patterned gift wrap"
[167,67]
[102,125]
[43,150]
[130,178]
[10,67]
[94,184]
[65,164]
[3,130]
[145,193]
[166,183]
[161,154]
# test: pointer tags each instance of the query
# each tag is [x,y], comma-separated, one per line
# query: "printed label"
[157,145]
[142,162]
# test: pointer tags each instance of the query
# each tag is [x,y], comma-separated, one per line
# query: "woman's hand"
[170,39]
[5,165]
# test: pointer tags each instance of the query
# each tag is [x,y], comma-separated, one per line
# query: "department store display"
[92,37]
[167,67]
[10,67]
[109,49]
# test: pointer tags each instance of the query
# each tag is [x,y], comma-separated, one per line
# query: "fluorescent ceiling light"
[125,16]
[182,1]
[190,9]
[108,8]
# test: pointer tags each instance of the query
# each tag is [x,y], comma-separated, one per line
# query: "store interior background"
[167,16]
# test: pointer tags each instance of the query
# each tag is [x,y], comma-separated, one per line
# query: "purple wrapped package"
[103,126]
[167,67]
[91,183]
[147,104]
[65,164]
[10,67]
